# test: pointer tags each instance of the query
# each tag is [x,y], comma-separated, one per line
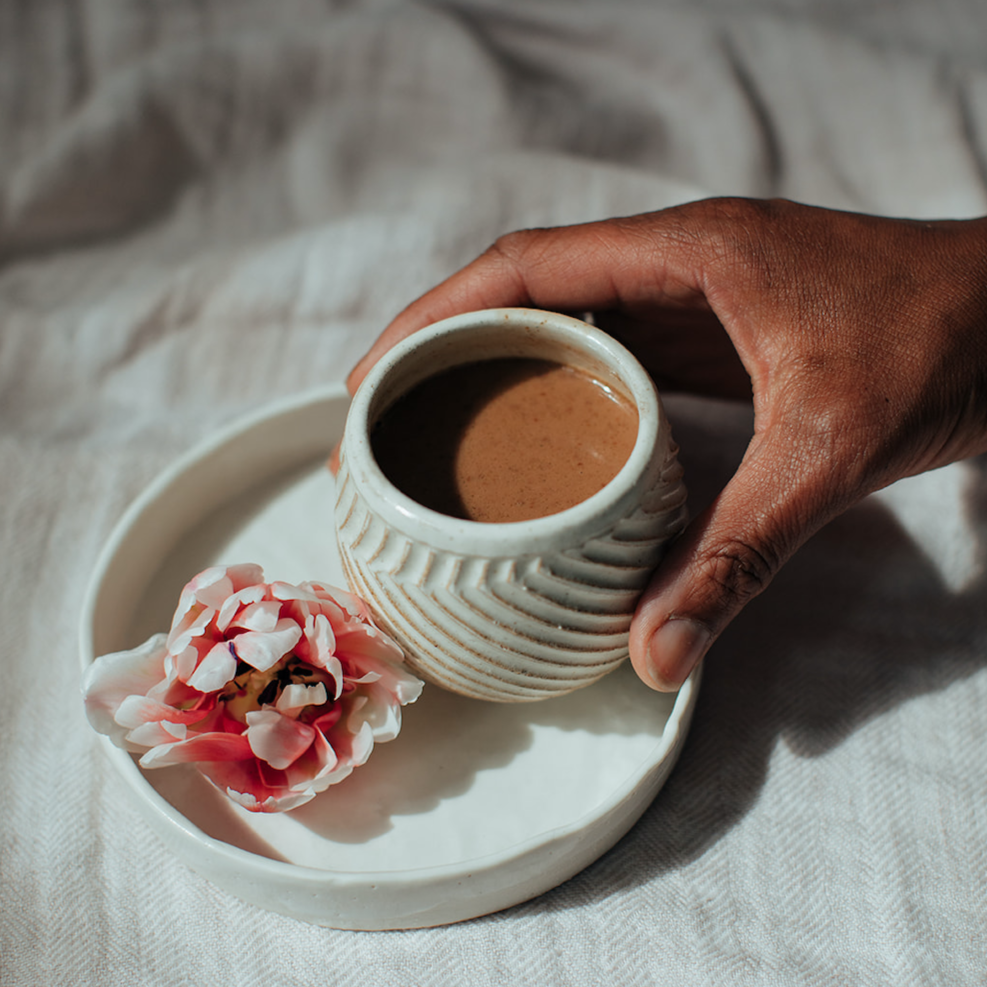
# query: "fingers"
[614,263]
[725,558]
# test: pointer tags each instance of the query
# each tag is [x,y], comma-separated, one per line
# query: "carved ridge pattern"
[504,631]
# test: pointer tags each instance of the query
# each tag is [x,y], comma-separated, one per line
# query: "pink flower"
[273,691]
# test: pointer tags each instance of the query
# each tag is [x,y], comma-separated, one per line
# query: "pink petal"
[157,733]
[317,768]
[362,640]
[316,648]
[264,650]
[212,586]
[394,677]
[327,720]
[200,747]
[285,591]
[352,604]
[318,630]
[136,710]
[262,616]
[192,626]
[108,681]
[251,594]
[276,739]
[185,603]
[381,712]
[215,670]
[256,786]
[359,747]
[244,574]
[333,612]
[241,778]
[182,666]
[180,696]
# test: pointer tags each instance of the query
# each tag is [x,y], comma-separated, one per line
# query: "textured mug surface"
[518,611]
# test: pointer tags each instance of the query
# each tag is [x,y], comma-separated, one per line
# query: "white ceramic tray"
[474,807]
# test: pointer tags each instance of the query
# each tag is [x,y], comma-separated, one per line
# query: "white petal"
[252,594]
[261,617]
[185,603]
[181,636]
[184,663]
[111,678]
[136,710]
[363,745]
[271,804]
[212,586]
[277,739]
[159,732]
[286,591]
[245,574]
[215,670]
[264,650]
[297,695]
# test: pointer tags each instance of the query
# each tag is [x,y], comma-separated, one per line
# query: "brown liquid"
[505,440]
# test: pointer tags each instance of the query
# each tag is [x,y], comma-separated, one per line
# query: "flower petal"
[395,677]
[111,678]
[216,669]
[262,616]
[212,586]
[255,790]
[192,626]
[361,745]
[361,640]
[276,739]
[137,710]
[199,747]
[381,713]
[156,733]
[317,647]
[285,591]
[353,606]
[297,695]
[317,768]
[244,574]
[283,803]
[264,650]
[246,596]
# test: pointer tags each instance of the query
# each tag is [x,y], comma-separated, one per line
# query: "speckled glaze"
[508,612]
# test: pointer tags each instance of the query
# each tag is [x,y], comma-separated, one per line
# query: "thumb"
[726,557]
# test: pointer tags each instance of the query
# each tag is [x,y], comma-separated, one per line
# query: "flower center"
[250,688]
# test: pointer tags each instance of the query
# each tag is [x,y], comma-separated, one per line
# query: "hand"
[863,342]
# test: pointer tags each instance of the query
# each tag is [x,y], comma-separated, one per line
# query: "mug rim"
[513,538]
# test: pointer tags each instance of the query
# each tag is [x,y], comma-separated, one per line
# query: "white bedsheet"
[206,206]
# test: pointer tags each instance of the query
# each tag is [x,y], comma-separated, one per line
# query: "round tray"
[474,807]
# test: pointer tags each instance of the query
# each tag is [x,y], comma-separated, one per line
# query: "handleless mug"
[515,611]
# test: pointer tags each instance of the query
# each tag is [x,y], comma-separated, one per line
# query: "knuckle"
[521,255]
[734,236]
[740,570]
[515,247]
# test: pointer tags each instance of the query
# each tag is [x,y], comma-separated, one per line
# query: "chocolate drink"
[505,440]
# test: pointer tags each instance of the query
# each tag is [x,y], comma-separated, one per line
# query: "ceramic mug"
[519,611]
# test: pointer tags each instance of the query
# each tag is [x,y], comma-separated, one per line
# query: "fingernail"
[674,651]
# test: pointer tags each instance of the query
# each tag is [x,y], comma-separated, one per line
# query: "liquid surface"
[505,440]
